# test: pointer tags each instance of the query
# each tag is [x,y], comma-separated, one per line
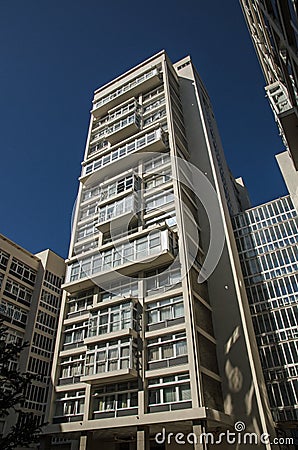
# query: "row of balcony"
[108,129]
[155,140]
[127,257]
[119,130]
[116,113]
[148,80]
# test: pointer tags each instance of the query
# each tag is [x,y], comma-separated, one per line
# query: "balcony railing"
[127,88]
[117,210]
[279,98]
[140,143]
[116,127]
[156,243]
[116,114]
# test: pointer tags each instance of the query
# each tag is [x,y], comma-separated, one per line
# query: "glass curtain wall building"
[142,343]
[267,239]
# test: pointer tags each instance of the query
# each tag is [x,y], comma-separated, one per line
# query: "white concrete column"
[87,402]
[83,443]
[200,443]
[143,442]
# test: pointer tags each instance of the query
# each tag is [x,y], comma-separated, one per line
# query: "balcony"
[286,115]
[123,129]
[279,98]
[115,375]
[146,251]
[121,212]
[115,114]
[146,81]
[122,185]
[152,141]
[118,131]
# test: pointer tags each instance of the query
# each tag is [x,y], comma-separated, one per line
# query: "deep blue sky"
[54,53]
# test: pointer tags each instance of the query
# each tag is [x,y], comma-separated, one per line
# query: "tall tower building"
[30,299]
[273,25]
[155,334]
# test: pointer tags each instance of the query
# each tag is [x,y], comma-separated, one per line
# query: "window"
[75,334]
[168,309]
[111,356]
[4,257]
[39,367]
[22,271]
[18,292]
[162,280]
[120,152]
[50,301]
[89,211]
[157,115]
[172,389]
[46,322]
[154,104]
[114,318]
[159,200]
[115,397]
[158,180]
[90,192]
[70,404]
[126,87]
[117,208]
[73,366]
[52,281]
[42,345]
[120,289]
[79,303]
[121,254]
[14,313]
[156,161]
[165,347]
[85,231]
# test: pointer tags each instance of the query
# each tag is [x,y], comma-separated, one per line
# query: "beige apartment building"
[155,334]
[30,300]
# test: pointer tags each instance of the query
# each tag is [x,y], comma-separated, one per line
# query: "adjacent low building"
[30,299]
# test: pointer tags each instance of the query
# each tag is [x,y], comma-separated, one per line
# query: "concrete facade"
[273,25]
[144,341]
[30,299]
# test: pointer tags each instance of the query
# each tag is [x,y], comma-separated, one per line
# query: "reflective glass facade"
[267,239]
